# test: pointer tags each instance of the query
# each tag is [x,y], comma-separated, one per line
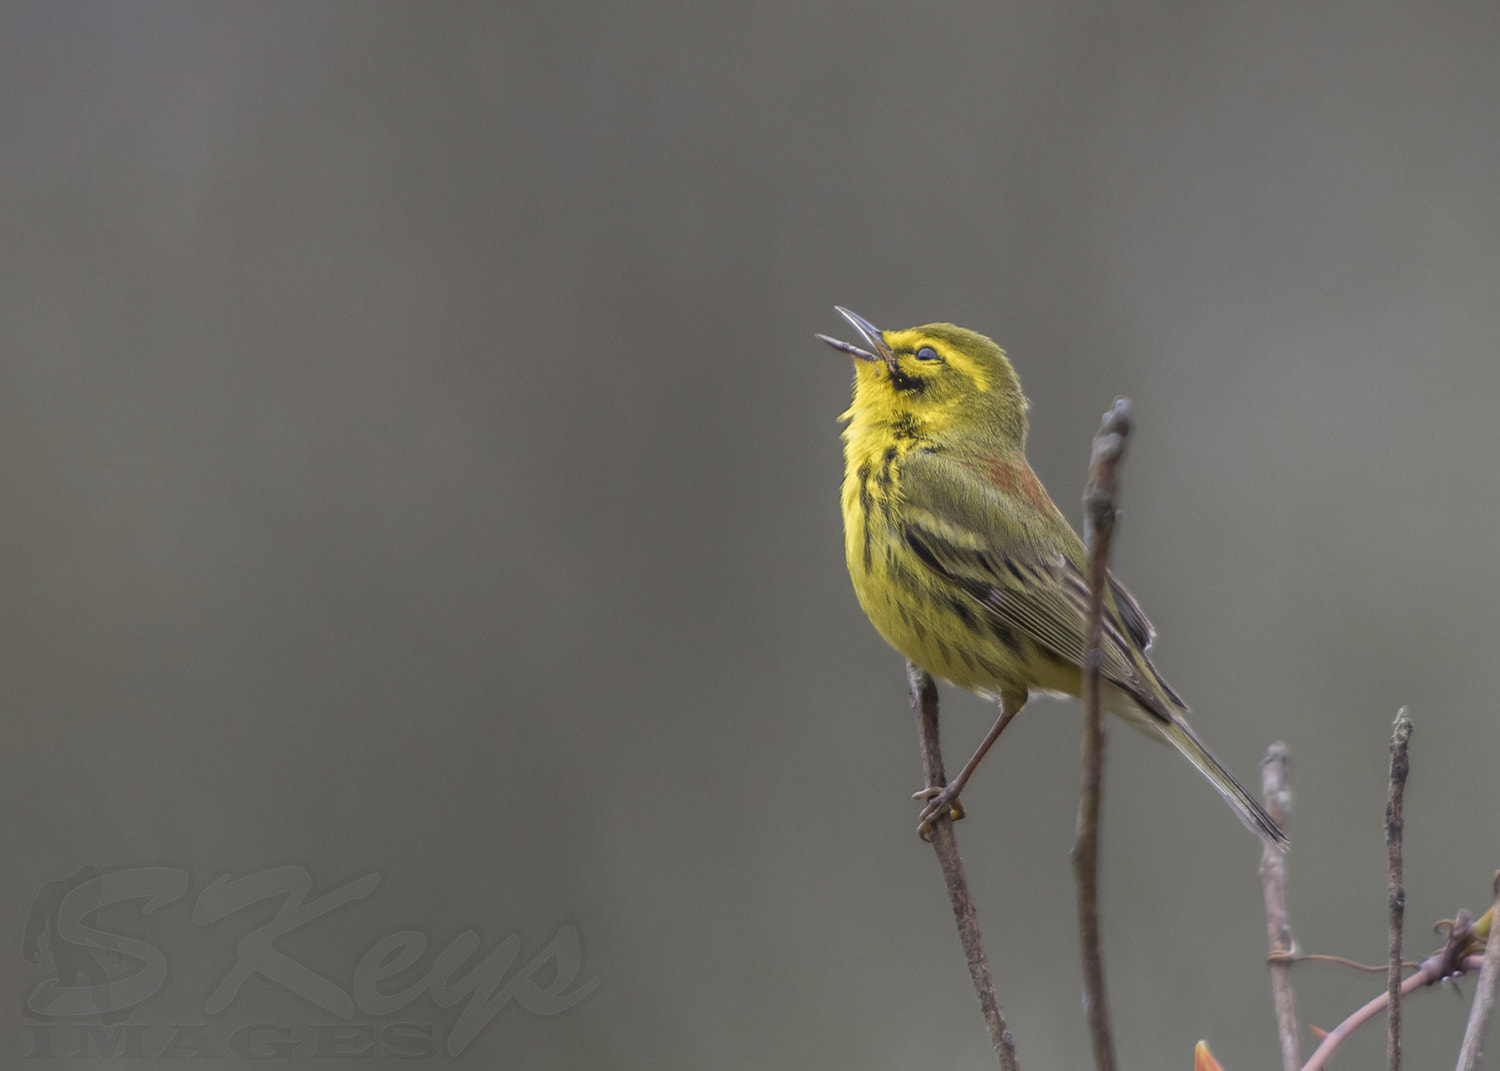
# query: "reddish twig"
[1453,958]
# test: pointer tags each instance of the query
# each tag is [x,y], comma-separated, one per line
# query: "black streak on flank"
[996,671]
[864,511]
[961,610]
[885,478]
[900,575]
[1003,633]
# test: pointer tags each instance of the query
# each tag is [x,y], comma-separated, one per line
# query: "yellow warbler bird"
[962,561]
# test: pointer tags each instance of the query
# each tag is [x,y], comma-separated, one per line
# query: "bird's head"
[946,378]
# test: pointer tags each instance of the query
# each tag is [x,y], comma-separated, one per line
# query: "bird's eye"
[927,353]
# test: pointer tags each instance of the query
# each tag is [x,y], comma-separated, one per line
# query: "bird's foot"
[939,800]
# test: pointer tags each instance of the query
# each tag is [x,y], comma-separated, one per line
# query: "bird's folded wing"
[974,536]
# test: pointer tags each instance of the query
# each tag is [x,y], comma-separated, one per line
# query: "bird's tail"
[1181,735]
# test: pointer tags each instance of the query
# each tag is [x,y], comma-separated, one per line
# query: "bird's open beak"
[872,336]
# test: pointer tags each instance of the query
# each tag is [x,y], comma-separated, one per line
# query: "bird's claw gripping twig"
[939,800]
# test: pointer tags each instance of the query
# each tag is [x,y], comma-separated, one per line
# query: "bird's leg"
[946,798]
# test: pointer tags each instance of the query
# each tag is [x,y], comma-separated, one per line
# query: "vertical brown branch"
[1099,524]
[924,701]
[1484,993]
[1275,787]
[1394,824]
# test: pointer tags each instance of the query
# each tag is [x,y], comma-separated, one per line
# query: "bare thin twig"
[1276,789]
[1098,526]
[924,701]
[1394,824]
[1484,994]
[1341,961]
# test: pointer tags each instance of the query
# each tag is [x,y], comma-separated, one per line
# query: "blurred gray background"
[416,461]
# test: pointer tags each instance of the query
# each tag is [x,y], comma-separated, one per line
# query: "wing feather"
[964,530]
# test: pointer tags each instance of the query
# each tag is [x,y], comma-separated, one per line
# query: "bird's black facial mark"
[908,384]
